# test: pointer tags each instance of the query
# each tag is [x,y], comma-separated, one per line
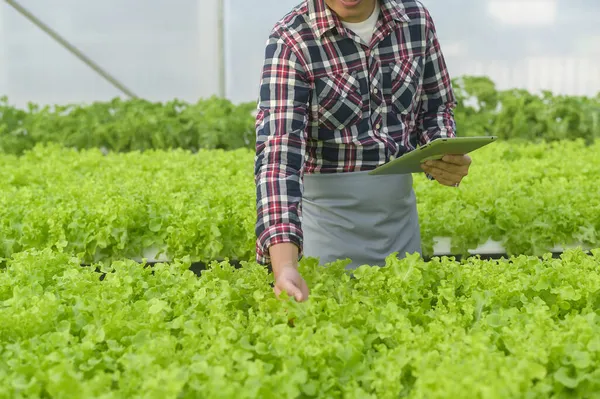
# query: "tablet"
[436,149]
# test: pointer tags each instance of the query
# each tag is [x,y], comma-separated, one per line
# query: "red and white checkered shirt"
[330,103]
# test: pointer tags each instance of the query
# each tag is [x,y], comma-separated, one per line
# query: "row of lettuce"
[216,123]
[519,328]
[529,197]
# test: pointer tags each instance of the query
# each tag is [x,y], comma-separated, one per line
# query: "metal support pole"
[3,60]
[221,48]
[70,48]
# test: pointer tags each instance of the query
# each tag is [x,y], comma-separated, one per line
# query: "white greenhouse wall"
[532,44]
[158,49]
[3,59]
[171,49]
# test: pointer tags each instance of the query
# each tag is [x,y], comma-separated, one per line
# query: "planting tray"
[442,247]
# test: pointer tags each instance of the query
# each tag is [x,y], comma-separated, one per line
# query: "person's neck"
[363,16]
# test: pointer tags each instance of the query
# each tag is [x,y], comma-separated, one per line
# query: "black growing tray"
[198,267]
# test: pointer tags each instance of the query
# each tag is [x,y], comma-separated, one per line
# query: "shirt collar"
[323,19]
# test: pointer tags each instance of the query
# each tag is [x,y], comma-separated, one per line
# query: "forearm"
[280,151]
[283,255]
[278,207]
[437,122]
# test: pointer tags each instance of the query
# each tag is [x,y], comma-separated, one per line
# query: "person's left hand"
[449,170]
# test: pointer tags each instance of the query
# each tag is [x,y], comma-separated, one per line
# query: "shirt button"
[378,126]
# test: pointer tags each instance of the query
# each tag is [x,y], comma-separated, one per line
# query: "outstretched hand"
[289,280]
[450,170]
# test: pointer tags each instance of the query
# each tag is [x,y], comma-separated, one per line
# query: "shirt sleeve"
[436,117]
[280,148]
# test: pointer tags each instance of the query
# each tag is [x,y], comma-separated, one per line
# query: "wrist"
[283,256]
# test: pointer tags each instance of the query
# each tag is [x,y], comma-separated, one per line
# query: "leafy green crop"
[119,205]
[517,328]
[518,114]
[529,197]
[132,125]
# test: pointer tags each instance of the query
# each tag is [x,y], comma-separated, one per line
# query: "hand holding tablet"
[435,150]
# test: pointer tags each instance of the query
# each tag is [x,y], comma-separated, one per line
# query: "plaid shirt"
[330,103]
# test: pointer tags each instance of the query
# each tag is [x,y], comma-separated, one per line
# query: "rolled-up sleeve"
[436,118]
[280,148]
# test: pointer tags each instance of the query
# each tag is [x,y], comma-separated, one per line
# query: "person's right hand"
[284,259]
[289,280]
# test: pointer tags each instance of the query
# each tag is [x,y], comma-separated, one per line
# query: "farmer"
[347,85]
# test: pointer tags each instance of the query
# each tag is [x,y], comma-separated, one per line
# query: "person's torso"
[364,99]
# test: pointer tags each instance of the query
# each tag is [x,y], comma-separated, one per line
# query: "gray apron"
[358,216]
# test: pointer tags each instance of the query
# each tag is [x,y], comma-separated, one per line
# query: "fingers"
[459,170]
[460,160]
[446,182]
[304,291]
[288,286]
[450,170]
[445,177]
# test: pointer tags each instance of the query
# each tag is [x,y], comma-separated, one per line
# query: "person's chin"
[349,4]
[349,9]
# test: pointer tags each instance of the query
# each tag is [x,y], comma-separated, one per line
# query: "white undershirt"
[366,28]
